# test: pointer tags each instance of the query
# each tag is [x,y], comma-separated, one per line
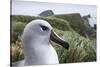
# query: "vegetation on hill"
[71,27]
[78,24]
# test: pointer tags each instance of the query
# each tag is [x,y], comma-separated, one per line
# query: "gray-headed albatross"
[36,47]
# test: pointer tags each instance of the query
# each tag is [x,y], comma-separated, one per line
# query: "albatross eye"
[44,28]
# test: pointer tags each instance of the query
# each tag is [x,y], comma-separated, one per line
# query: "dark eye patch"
[44,28]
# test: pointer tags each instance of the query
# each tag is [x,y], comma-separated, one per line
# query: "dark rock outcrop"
[46,13]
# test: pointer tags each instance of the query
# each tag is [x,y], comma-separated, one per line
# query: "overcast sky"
[34,8]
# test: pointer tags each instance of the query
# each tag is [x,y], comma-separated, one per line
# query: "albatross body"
[36,47]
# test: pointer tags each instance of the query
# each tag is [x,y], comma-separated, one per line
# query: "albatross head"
[40,31]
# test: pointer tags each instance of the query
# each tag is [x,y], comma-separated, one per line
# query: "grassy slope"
[68,27]
[77,23]
[81,49]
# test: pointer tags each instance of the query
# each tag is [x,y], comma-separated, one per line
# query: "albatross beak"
[54,37]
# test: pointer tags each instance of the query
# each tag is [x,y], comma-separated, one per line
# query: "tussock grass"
[16,52]
[81,49]
[17,29]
